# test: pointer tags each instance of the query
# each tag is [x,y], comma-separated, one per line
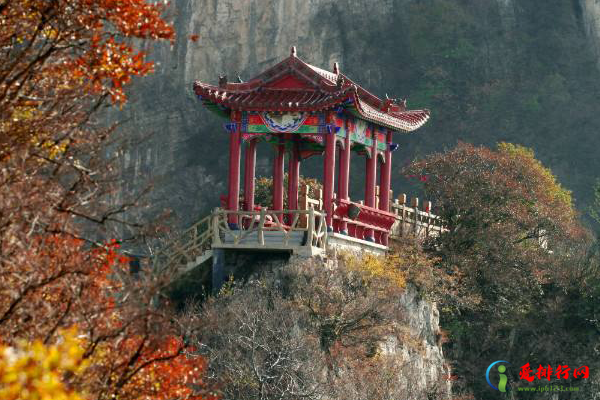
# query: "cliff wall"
[494,70]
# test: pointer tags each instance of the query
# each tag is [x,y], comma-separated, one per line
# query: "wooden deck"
[301,232]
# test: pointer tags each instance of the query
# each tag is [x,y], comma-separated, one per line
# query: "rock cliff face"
[415,348]
[429,366]
[590,11]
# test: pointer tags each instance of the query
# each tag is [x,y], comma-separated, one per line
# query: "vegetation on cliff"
[526,271]
[314,330]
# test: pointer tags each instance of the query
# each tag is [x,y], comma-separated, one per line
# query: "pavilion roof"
[293,85]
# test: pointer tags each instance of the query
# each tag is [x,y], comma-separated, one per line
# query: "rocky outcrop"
[428,368]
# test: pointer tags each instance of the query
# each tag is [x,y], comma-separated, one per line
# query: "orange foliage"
[133,351]
[61,60]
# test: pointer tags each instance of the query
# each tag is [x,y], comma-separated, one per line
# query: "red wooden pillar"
[278,178]
[233,199]
[249,175]
[344,175]
[371,177]
[293,180]
[329,174]
[385,183]
[386,176]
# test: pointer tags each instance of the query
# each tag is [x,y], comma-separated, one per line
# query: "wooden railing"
[369,221]
[412,221]
[267,228]
[409,220]
[303,229]
[186,248]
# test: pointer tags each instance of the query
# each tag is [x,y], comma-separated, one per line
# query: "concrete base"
[347,243]
[218,269]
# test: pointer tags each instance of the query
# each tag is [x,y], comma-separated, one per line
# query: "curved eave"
[250,97]
[406,121]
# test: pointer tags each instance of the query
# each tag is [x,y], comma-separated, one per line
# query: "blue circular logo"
[487,373]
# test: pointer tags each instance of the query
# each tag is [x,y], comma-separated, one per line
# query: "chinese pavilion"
[304,111]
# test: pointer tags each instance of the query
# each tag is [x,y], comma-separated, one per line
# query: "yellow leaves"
[34,371]
[552,188]
[55,150]
[23,113]
[49,32]
[374,267]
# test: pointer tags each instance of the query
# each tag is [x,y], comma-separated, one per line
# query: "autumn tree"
[517,255]
[62,61]
[509,220]
[32,371]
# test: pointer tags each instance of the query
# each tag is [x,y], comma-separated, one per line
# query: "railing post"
[310,227]
[303,200]
[427,206]
[195,235]
[320,198]
[261,226]
[415,206]
[303,205]
[402,201]
[215,226]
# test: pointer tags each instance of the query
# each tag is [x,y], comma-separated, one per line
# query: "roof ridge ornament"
[222,80]
[293,51]
[340,81]
[336,68]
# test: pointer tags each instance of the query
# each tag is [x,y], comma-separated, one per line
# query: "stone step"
[201,259]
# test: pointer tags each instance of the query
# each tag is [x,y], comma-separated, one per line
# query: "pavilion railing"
[369,222]
[414,222]
[269,229]
[292,229]
[409,219]
[186,247]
